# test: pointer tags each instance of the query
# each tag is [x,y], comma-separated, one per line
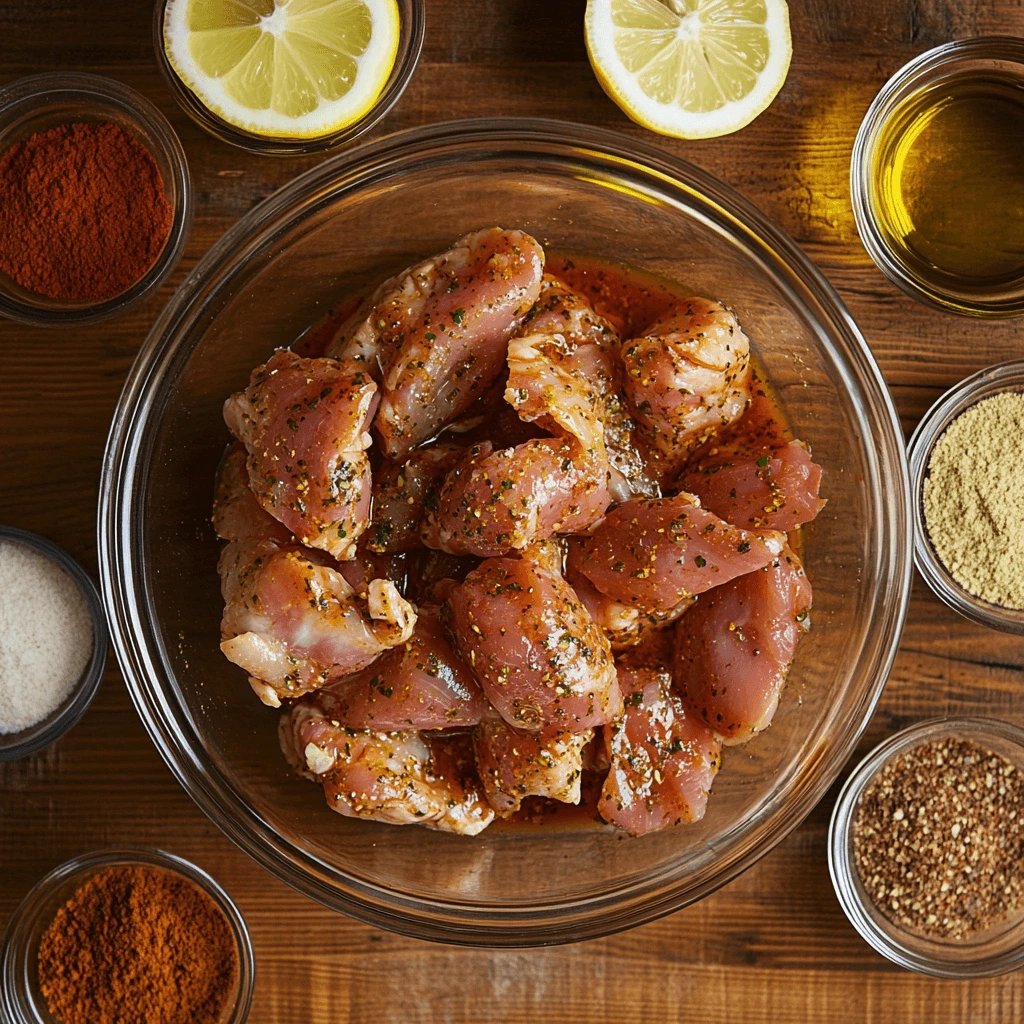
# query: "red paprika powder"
[83,213]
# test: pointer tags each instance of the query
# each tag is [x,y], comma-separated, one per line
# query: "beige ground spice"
[974,499]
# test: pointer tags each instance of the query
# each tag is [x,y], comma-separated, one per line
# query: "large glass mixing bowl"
[338,229]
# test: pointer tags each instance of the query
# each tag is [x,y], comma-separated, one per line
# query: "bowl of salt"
[53,642]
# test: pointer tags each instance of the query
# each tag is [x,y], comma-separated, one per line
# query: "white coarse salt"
[46,636]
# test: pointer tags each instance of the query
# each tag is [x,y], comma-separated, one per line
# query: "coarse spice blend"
[974,499]
[938,839]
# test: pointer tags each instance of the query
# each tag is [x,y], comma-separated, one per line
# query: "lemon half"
[694,69]
[284,68]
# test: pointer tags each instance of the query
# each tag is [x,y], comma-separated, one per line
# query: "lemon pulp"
[284,68]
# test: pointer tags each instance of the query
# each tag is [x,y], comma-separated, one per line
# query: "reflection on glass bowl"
[332,233]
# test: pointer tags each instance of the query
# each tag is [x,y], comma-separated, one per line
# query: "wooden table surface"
[773,946]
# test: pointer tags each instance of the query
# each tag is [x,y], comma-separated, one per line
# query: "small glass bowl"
[16,745]
[412,26]
[40,102]
[995,951]
[22,1002]
[993,380]
[982,56]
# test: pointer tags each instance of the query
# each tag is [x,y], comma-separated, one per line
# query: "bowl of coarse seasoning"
[926,848]
[95,198]
[967,480]
[53,642]
[126,937]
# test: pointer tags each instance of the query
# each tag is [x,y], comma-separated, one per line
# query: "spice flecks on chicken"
[304,423]
[435,336]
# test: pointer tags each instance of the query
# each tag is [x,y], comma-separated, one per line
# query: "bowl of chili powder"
[95,198]
[126,937]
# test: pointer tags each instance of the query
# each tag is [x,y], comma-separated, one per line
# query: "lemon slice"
[284,68]
[694,69]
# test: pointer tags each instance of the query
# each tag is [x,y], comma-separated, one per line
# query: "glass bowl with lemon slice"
[288,77]
[693,69]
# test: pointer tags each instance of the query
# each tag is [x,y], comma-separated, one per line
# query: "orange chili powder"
[138,945]
[83,212]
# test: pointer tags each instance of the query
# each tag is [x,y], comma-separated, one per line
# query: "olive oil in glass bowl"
[938,177]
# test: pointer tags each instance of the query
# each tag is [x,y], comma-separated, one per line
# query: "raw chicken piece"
[734,649]
[686,378]
[513,764]
[625,625]
[402,491]
[236,512]
[564,374]
[653,553]
[304,423]
[292,622]
[421,684]
[401,778]
[769,488]
[435,336]
[663,759]
[495,502]
[541,660]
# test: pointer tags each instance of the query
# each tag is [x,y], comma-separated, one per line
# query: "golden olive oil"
[949,183]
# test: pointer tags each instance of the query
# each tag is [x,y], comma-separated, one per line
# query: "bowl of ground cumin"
[95,199]
[126,937]
[926,848]
[967,477]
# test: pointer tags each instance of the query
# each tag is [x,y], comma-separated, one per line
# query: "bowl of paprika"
[95,198]
[117,936]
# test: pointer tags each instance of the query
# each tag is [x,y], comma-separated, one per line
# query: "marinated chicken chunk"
[541,660]
[663,758]
[435,336]
[497,502]
[625,624]
[292,622]
[769,488]
[421,684]
[735,648]
[514,764]
[654,553]
[304,423]
[564,370]
[399,778]
[686,378]
[403,491]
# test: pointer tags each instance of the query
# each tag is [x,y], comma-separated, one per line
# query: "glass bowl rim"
[943,57]
[83,866]
[75,705]
[412,31]
[425,916]
[843,871]
[106,92]
[986,383]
